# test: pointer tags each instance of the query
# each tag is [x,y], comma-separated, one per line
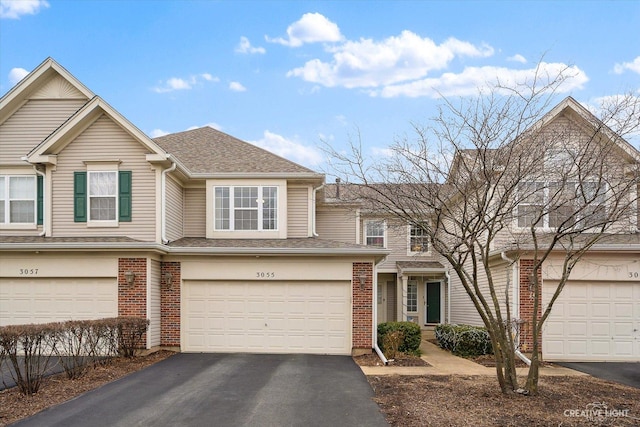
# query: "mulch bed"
[372,359]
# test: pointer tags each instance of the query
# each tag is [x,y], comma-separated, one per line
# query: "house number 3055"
[28,271]
[265,274]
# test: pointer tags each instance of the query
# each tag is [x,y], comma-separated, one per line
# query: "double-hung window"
[103,195]
[418,239]
[253,208]
[374,233]
[531,204]
[18,199]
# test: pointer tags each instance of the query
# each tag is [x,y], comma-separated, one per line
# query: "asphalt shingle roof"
[206,150]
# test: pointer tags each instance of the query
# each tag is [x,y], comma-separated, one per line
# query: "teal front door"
[433,302]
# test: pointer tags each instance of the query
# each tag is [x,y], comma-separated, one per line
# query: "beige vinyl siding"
[298,212]
[195,216]
[154,305]
[107,141]
[396,241]
[336,224]
[31,124]
[462,308]
[175,203]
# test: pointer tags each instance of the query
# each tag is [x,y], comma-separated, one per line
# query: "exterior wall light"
[129,277]
[362,280]
[168,279]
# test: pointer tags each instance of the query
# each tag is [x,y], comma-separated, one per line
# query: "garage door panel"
[593,322]
[269,317]
[41,300]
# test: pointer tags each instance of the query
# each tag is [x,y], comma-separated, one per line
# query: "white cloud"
[473,79]
[13,9]
[517,58]
[369,63]
[289,149]
[177,83]
[237,87]
[158,132]
[311,28]
[631,66]
[210,124]
[381,152]
[245,47]
[17,74]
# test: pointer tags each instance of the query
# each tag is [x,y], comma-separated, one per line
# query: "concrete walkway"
[444,363]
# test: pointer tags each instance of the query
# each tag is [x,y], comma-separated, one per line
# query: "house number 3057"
[265,274]
[28,271]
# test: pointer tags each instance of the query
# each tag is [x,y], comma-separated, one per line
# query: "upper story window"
[374,233]
[18,199]
[555,204]
[102,197]
[418,239]
[246,208]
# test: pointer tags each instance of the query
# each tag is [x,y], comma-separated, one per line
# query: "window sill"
[105,224]
[18,226]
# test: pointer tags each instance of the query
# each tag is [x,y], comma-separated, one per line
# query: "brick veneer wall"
[362,322]
[132,300]
[170,306]
[526,303]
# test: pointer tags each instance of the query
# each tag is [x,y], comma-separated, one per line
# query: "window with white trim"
[103,195]
[412,295]
[18,199]
[245,208]
[374,233]
[561,204]
[418,239]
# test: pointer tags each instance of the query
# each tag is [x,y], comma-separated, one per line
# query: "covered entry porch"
[415,292]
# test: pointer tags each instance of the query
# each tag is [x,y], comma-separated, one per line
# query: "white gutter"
[375,318]
[44,193]
[516,303]
[163,208]
[313,209]
[448,276]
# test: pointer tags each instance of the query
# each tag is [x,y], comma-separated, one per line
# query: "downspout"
[448,276]
[375,317]
[163,208]
[44,193]
[516,294]
[313,208]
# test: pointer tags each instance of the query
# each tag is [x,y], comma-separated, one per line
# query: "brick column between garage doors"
[132,299]
[362,322]
[526,304]
[170,306]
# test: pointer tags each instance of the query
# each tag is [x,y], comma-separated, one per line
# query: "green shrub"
[411,336]
[464,340]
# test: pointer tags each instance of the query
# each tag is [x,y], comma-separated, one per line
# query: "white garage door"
[45,300]
[593,322]
[267,317]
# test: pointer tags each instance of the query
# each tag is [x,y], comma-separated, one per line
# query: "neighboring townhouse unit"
[214,240]
[597,316]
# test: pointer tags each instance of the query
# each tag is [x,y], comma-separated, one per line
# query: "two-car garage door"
[266,317]
[593,321]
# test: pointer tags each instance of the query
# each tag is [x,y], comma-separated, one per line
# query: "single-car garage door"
[42,300]
[267,317]
[593,322]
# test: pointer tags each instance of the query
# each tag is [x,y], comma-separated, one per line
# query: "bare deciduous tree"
[500,174]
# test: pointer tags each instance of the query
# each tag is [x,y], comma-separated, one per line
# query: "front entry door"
[433,302]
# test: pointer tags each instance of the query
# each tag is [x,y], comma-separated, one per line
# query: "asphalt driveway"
[627,373]
[227,390]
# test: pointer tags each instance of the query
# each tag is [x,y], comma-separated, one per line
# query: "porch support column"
[403,301]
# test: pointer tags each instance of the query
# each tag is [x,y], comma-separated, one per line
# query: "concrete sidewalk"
[444,363]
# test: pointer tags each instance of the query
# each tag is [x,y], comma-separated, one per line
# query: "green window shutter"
[40,197]
[80,197]
[124,186]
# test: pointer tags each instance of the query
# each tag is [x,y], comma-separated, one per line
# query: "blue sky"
[286,75]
